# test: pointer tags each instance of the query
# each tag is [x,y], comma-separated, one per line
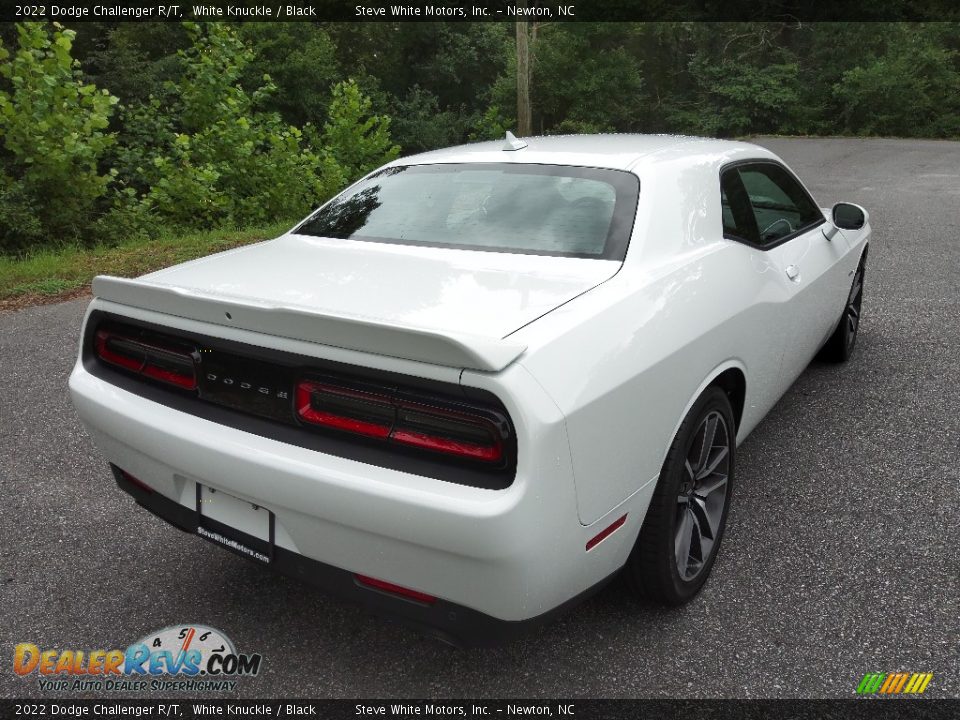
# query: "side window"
[780,205]
[738,219]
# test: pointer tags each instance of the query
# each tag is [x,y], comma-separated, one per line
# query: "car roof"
[614,151]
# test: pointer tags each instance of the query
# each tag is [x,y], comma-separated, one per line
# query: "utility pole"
[523,76]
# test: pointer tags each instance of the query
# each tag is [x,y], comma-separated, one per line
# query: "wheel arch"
[733,382]
[731,377]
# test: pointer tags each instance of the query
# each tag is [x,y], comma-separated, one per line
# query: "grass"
[51,274]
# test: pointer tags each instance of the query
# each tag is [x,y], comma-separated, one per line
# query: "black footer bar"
[875,709]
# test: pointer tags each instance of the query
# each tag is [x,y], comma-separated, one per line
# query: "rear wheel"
[684,525]
[839,347]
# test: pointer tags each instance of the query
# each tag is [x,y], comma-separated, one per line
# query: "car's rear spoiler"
[300,323]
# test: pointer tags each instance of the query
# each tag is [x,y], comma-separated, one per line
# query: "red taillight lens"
[174,377]
[119,351]
[448,432]
[463,434]
[344,409]
[395,589]
[168,365]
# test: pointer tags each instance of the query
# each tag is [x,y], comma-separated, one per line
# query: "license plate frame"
[237,541]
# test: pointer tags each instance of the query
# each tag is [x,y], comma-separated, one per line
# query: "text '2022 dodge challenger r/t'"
[481,381]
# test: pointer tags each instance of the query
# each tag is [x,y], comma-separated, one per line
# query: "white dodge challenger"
[481,381]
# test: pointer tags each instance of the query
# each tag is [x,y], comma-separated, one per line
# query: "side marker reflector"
[604,534]
[138,483]
[395,589]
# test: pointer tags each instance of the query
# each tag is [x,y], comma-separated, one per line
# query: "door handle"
[793,272]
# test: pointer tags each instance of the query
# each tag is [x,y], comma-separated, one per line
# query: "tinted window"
[738,219]
[537,209]
[780,205]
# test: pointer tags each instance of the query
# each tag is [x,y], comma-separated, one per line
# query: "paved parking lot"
[840,556]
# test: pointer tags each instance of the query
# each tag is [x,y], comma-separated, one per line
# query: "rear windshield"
[522,208]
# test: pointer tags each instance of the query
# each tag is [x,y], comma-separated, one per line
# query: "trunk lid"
[444,306]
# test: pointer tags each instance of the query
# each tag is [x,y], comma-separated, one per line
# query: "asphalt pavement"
[840,556]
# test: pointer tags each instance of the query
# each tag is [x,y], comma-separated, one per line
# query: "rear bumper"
[512,555]
[447,621]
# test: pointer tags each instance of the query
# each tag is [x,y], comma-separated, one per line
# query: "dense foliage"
[199,142]
[113,130]
[53,128]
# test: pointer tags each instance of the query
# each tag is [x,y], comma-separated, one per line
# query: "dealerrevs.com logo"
[189,658]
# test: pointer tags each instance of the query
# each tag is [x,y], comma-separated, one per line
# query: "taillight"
[343,409]
[170,365]
[447,432]
[459,432]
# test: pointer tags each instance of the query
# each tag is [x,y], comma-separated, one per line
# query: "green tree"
[53,129]
[423,125]
[585,77]
[301,60]
[230,160]
[358,140]
[434,79]
[133,60]
[724,79]
[910,86]
[734,97]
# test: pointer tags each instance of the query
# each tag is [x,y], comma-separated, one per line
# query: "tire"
[840,346]
[674,555]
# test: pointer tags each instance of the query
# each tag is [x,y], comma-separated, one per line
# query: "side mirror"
[848,216]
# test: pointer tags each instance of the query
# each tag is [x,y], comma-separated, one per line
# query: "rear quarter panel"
[625,361]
